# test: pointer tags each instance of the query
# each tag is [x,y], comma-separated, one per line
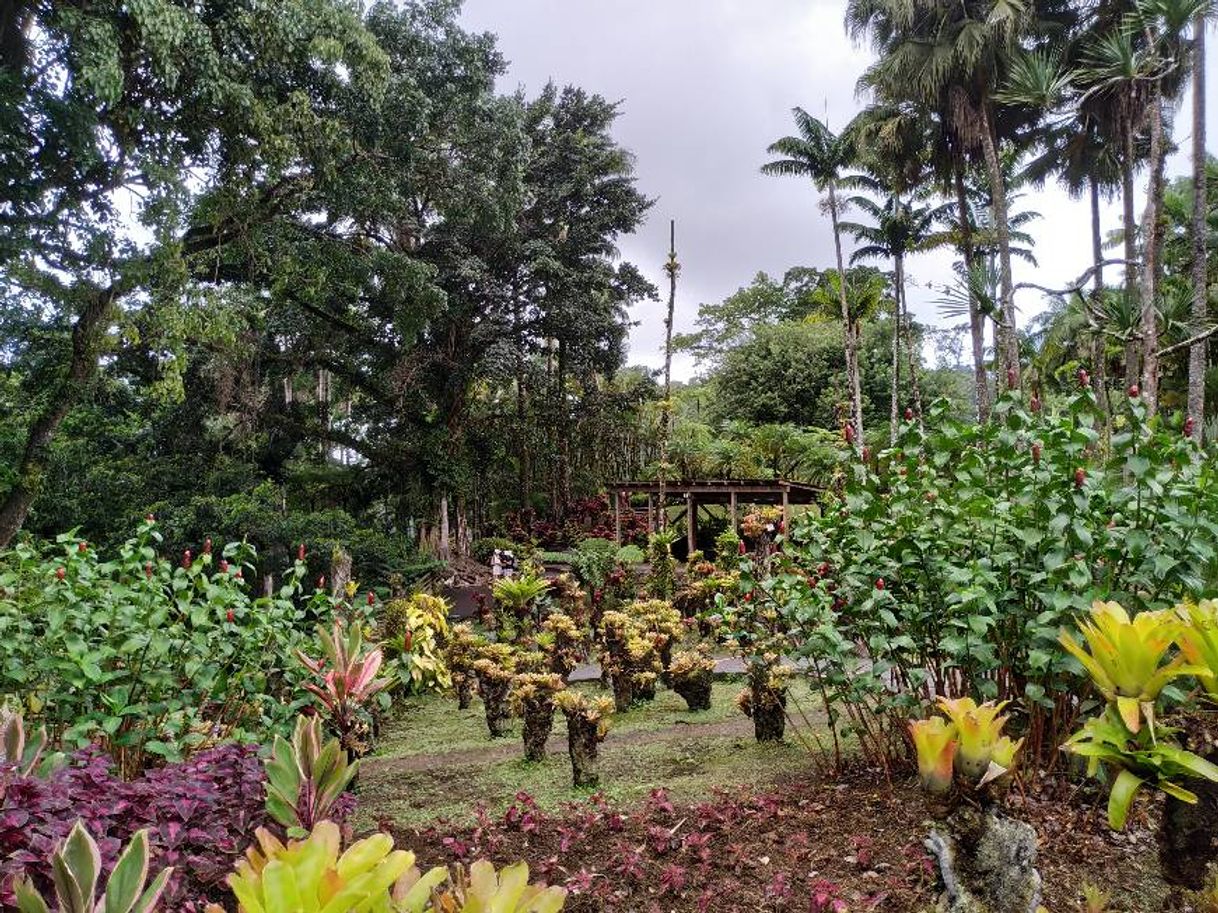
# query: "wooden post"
[786,510]
[617,517]
[691,514]
[732,511]
[651,519]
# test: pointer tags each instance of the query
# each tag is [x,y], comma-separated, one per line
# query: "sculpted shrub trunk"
[533,700]
[494,670]
[587,724]
[692,674]
[765,700]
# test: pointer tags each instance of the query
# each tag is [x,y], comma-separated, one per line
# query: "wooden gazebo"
[694,493]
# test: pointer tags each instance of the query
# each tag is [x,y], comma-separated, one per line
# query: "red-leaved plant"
[349,682]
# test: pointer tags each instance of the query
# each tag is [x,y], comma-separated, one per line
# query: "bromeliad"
[1198,641]
[935,741]
[1125,658]
[1137,758]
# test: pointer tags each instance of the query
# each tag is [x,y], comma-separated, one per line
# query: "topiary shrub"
[587,725]
[459,655]
[532,700]
[692,674]
[629,658]
[494,669]
[657,620]
[563,643]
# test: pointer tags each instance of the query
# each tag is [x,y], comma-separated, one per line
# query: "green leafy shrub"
[152,659]
[955,564]
[484,549]
[593,560]
[661,579]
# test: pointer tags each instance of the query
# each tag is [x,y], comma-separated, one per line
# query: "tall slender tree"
[816,153]
[951,56]
[899,229]
[1198,353]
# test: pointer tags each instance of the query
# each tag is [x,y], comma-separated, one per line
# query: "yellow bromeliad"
[935,741]
[1198,641]
[1125,657]
[978,728]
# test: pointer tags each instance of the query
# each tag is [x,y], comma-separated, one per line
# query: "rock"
[987,863]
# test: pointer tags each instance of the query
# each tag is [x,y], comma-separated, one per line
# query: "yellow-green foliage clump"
[494,668]
[692,673]
[412,630]
[630,657]
[460,653]
[563,641]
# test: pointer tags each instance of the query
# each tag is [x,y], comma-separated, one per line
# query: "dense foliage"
[147,656]
[201,814]
[957,557]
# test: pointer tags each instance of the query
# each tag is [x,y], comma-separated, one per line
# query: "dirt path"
[504,749]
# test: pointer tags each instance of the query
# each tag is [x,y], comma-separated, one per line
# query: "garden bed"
[694,815]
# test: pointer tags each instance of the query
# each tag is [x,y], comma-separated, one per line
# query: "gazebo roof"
[721,490]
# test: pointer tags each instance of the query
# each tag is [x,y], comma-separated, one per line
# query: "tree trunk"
[894,392]
[86,335]
[583,740]
[1098,359]
[1152,236]
[445,550]
[769,714]
[1188,834]
[695,688]
[1132,366]
[1007,340]
[538,721]
[494,691]
[848,326]
[564,432]
[976,321]
[1197,353]
[907,328]
[672,268]
[525,480]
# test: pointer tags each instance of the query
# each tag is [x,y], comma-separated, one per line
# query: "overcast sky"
[705,86]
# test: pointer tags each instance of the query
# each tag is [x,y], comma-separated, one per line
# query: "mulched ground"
[851,843]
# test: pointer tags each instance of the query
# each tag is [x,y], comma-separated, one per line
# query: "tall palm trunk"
[1098,359]
[1152,235]
[976,323]
[1197,355]
[851,340]
[671,267]
[1007,339]
[1131,251]
[895,390]
[906,327]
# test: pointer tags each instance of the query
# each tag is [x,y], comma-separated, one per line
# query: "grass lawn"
[437,762]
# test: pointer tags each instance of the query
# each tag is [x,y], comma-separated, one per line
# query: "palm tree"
[816,153]
[950,56]
[1197,355]
[899,229]
[1076,154]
